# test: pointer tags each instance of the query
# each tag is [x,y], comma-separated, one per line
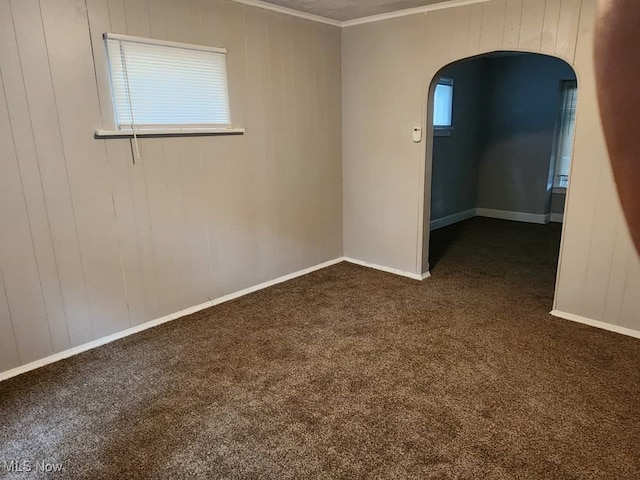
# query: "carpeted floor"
[352,373]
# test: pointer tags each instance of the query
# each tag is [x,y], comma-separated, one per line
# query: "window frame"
[115,130]
[443,130]
[565,85]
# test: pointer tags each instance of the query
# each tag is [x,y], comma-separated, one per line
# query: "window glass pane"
[442,105]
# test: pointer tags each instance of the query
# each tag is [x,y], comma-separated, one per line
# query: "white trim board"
[410,11]
[395,271]
[159,321]
[362,20]
[595,323]
[451,219]
[515,216]
[290,11]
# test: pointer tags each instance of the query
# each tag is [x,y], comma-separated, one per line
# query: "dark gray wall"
[454,186]
[557,202]
[524,102]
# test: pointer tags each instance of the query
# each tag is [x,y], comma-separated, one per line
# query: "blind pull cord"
[135,150]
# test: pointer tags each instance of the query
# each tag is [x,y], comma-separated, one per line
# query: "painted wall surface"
[91,244]
[387,69]
[557,202]
[524,101]
[454,185]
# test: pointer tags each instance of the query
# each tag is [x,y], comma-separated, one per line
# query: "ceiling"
[342,10]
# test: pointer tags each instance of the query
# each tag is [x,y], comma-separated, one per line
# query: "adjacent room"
[503,128]
[292,239]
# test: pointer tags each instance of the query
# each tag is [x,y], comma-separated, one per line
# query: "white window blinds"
[443,103]
[157,83]
[566,132]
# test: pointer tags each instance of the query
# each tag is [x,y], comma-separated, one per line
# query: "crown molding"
[362,20]
[410,11]
[290,11]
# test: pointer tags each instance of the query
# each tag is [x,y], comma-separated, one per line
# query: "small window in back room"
[158,84]
[443,104]
[566,134]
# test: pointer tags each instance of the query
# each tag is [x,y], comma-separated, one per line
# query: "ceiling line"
[362,20]
[410,11]
[290,11]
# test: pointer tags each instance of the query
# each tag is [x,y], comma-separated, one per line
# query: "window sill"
[442,131]
[168,132]
[559,190]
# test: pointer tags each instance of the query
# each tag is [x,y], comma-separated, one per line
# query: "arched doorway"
[499,139]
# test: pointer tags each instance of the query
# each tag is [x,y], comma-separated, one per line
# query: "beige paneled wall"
[387,69]
[91,244]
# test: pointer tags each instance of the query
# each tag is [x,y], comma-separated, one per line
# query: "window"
[443,104]
[159,85]
[565,135]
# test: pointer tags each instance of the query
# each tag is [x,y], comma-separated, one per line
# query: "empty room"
[316,239]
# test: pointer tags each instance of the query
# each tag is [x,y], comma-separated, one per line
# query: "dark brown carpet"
[352,373]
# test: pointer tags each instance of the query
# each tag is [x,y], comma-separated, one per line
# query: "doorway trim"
[426,161]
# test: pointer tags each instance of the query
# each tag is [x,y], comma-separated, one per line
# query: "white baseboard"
[395,271]
[159,321]
[595,323]
[557,217]
[451,219]
[515,216]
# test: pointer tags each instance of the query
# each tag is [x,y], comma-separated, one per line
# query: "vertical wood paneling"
[136,16]
[117,16]
[134,204]
[437,28]
[17,257]
[69,47]
[550,26]
[618,273]
[475,29]
[568,22]
[288,162]
[34,61]
[300,95]
[118,164]
[512,23]
[630,314]
[259,176]
[20,121]
[225,27]
[9,357]
[587,164]
[531,25]
[276,141]
[460,32]
[601,251]
[492,33]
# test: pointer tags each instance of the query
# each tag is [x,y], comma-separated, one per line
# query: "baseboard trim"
[451,219]
[515,216]
[159,321]
[395,271]
[557,217]
[595,323]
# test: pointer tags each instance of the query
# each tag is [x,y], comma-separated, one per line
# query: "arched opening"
[500,130]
